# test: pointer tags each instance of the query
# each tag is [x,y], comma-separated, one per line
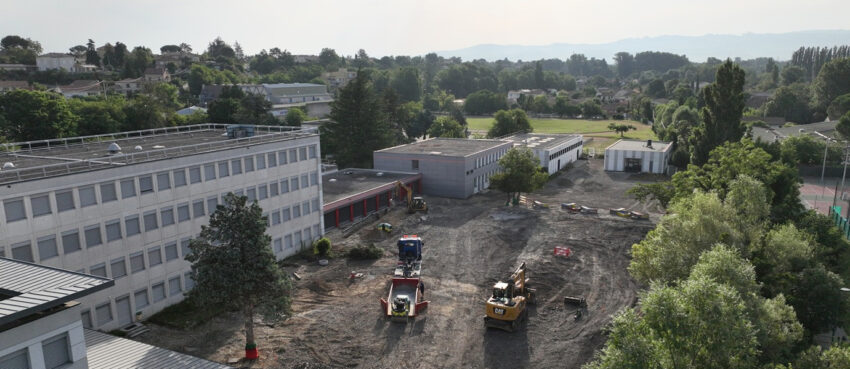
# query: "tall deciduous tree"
[35,115]
[446,127]
[724,105]
[520,173]
[233,265]
[92,57]
[509,121]
[833,81]
[407,84]
[358,126]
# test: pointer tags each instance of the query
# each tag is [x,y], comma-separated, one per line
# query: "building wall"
[615,160]
[169,241]
[567,152]
[480,167]
[31,337]
[48,63]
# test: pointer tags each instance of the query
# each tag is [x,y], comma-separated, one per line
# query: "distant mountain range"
[780,46]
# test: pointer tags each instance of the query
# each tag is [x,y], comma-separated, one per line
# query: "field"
[469,245]
[596,132]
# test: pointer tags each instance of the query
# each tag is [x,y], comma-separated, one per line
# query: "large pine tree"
[721,116]
[357,125]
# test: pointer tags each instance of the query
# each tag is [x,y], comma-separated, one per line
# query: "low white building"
[638,156]
[555,151]
[55,61]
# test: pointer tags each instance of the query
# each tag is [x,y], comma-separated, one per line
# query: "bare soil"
[469,245]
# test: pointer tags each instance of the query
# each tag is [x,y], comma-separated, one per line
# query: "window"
[137,262]
[278,245]
[40,205]
[314,178]
[17,360]
[287,241]
[305,207]
[195,175]
[113,230]
[189,281]
[209,172]
[296,211]
[281,157]
[171,251]
[167,215]
[107,192]
[14,210]
[249,165]
[98,270]
[179,178]
[261,161]
[103,313]
[183,212]
[223,169]
[316,232]
[276,218]
[414,164]
[184,247]
[251,193]
[86,318]
[293,185]
[87,196]
[262,192]
[272,159]
[131,225]
[128,188]
[305,181]
[302,153]
[119,268]
[151,221]
[273,189]
[22,251]
[312,151]
[65,201]
[315,202]
[198,208]
[236,165]
[286,214]
[158,292]
[308,234]
[141,298]
[284,186]
[174,287]
[212,204]
[163,181]
[296,239]
[93,237]
[57,351]
[154,256]
[70,241]
[146,184]
[293,155]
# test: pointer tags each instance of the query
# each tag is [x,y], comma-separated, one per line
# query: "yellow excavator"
[414,203]
[506,308]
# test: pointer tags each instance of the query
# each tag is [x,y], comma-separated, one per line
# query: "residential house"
[128,87]
[191,110]
[157,75]
[305,58]
[338,79]
[82,88]
[514,95]
[51,61]
[283,96]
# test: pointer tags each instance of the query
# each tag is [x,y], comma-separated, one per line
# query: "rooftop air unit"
[114,149]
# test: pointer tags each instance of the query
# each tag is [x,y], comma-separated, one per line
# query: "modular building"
[555,151]
[638,156]
[351,194]
[126,205]
[450,167]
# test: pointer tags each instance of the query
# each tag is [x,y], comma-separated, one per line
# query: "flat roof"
[445,147]
[350,182]
[27,288]
[105,351]
[540,140]
[639,145]
[57,157]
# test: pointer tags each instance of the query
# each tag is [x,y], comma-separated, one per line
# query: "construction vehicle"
[414,203]
[405,299]
[625,213]
[409,256]
[576,208]
[506,308]
[386,227]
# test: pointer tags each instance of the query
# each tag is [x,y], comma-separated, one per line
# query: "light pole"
[823,168]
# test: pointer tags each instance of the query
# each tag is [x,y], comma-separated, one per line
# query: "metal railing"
[261,134]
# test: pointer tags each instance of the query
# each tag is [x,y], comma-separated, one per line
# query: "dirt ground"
[469,245]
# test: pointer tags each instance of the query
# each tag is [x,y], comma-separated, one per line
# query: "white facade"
[55,61]
[43,343]
[133,223]
[637,156]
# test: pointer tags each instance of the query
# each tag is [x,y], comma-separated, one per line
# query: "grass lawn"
[597,129]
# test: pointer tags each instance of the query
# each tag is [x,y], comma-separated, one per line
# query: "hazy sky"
[393,27]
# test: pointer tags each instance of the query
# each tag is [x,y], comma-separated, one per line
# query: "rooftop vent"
[137,148]
[380,174]
[158,147]
[8,165]
[114,148]
[649,143]
[348,172]
[332,180]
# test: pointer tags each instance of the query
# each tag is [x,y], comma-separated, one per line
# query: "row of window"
[56,351]
[489,158]
[297,239]
[285,214]
[103,313]
[565,150]
[41,205]
[156,255]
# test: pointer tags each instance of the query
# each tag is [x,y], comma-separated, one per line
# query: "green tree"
[329,59]
[590,109]
[421,124]
[792,103]
[520,173]
[833,80]
[539,81]
[78,51]
[254,109]
[222,110]
[165,94]
[137,61]
[661,191]
[294,117]
[564,108]
[233,265]
[407,84]
[792,74]
[35,115]
[143,112]
[655,88]
[621,128]
[484,102]
[839,106]
[357,125]
[625,63]
[92,57]
[818,300]
[446,127]
[98,116]
[724,105]
[843,126]
[836,357]
[509,121]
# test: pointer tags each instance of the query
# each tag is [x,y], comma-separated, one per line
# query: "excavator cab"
[507,306]
[417,204]
[401,305]
[503,293]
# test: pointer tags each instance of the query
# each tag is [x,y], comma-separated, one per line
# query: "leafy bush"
[322,247]
[365,252]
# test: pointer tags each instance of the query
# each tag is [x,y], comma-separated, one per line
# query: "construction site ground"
[469,245]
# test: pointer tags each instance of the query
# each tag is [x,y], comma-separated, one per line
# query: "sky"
[400,27]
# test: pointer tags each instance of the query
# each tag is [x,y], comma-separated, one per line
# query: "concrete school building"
[125,206]
[352,194]
[555,151]
[450,167]
[638,156]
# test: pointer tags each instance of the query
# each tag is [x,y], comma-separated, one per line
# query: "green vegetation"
[446,127]
[185,315]
[589,128]
[365,252]
[521,173]
[322,247]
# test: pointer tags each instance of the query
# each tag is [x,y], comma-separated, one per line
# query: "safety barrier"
[840,222]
